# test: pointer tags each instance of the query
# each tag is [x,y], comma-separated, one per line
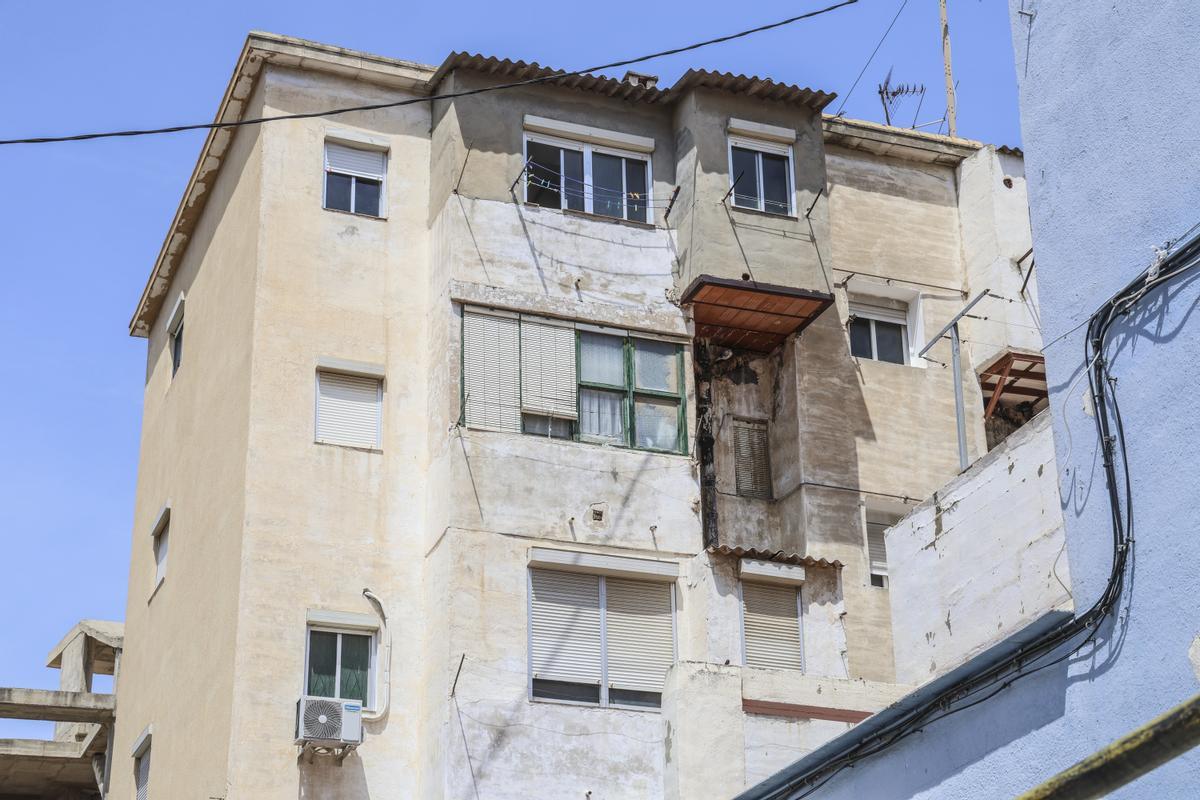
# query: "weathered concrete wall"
[718,239]
[980,560]
[322,521]
[177,671]
[995,235]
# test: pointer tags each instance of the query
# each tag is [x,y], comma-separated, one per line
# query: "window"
[175,332]
[354,179]
[760,174]
[877,553]
[555,379]
[599,640]
[339,665]
[752,458]
[349,409]
[161,542]
[584,177]
[141,774]
[771,626]
[879,332]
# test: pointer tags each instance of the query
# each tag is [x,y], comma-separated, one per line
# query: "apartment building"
[551,430]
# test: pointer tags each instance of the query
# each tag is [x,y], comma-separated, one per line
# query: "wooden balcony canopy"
[1017,376]
[748,315]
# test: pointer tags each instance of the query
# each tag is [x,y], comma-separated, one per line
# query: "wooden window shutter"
[355,160]
[639,633]
[752,459]
[349,409]
[141,775]
[771,626]
[491,372]
[877,548]
[548,378]
[564,626]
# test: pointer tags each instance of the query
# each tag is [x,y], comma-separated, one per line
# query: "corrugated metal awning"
[773,555]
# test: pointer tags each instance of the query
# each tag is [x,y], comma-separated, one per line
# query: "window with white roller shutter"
[771,626]
[141,775]
[354,178]
[599,640]
[491,371]
[349,409]
[877,551]
[548,377]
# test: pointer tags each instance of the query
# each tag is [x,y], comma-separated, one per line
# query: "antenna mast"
[951,112]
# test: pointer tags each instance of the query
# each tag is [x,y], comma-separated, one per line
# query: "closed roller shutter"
[771,622]
[548,378]
[349,409]
[877,548]
[639,634]
[491,373]
[564,626]
[752,459]
[355,161]
[141,775]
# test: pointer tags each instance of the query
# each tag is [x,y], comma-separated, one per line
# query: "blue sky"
[81,224]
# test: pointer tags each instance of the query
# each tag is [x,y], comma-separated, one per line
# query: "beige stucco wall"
[177,671]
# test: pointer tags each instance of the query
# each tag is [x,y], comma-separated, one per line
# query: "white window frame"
[875,516]
[162,526]
[798,586]
[860,310]
[355,144]
[174,326]
[637,573]
[588,149]
[372,667]
[141,749]
[760,146]
[351,369]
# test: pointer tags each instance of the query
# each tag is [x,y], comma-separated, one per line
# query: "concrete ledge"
[44,704]
[39,749]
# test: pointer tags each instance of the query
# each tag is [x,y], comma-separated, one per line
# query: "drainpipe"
[386,683]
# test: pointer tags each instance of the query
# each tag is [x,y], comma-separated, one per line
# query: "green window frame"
[632,394]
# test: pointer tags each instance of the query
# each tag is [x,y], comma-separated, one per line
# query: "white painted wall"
[981,559]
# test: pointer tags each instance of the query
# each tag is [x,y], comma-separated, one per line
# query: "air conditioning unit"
[328,723]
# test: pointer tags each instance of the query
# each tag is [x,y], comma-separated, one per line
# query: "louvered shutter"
[752,459]
[491,374]
[564,626]
[639,633]
[877,548]
[348,409]
[548,378]
[355,161]
[141,775]
[771,625]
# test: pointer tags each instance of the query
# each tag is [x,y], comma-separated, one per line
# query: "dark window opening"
[562,690]
[629,697]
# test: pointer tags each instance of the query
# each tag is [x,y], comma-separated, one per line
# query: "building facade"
[556,425]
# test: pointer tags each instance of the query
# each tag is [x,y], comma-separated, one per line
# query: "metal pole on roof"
[951,111]
[951,327]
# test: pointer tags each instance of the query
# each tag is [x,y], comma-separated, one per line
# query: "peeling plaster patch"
[948,628]
[1194,656]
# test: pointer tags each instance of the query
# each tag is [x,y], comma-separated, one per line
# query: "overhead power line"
[871,57]
[79,137]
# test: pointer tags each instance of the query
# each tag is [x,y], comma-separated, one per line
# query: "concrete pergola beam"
[39,749]
[44,704]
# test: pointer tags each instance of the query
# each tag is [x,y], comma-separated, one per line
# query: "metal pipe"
[1132,756]
[386,683]
[959,413]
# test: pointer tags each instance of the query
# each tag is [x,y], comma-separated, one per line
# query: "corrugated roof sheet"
[773,555]
[752,86]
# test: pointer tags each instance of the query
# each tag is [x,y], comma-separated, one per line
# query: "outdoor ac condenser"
[328,723]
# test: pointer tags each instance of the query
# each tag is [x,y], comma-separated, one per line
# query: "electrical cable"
[1111,433]
[431,98]
[870,58]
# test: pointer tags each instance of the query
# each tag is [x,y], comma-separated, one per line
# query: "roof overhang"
[259,48]
[911,145]
[107,639]
[773,555]
[750,316]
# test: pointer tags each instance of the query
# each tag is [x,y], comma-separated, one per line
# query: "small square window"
[761,176]
[354,179]
[879,332]
[339,665]
[349,409]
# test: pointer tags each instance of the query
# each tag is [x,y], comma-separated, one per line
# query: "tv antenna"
[891,97]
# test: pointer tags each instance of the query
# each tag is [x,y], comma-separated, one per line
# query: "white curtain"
[600,415]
